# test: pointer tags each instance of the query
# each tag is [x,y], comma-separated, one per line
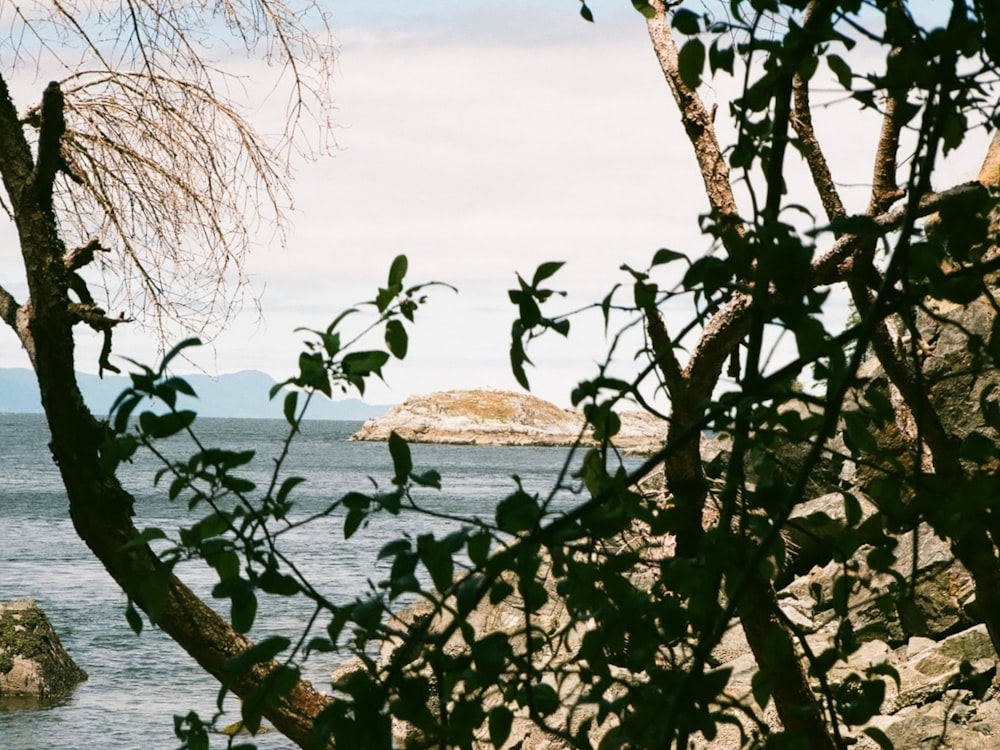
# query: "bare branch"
[79,257]
[96,318]
[176,182]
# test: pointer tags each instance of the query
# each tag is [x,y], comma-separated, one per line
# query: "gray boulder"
[33,663]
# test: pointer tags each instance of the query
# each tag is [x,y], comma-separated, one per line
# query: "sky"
[481,138]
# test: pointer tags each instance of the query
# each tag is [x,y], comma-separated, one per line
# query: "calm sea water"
[138,683]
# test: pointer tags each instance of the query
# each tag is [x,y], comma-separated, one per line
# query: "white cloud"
[480,143]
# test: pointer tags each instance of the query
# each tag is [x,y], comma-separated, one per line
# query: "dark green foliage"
[601,617]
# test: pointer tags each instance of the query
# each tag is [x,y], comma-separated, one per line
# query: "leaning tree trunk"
[100,508]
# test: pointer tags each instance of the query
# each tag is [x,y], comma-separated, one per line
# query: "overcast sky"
[480,138]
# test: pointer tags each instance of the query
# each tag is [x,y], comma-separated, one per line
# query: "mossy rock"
[33,662]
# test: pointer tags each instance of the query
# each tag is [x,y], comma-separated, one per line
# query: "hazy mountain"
[238,394]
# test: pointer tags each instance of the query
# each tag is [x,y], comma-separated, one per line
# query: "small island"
[495,417]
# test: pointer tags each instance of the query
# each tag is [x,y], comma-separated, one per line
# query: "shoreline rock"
[33,663]
[502,418]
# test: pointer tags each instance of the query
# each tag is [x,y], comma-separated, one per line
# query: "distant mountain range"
[233,395]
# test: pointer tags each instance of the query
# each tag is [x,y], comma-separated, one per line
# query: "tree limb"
[663,351]
[16,163]
[810,147]
[9,308]
[835,264]
[698,125]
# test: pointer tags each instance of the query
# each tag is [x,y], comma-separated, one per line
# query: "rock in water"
[33,663]
[488,417]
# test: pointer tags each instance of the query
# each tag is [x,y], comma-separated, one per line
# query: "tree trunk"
[100,508]
[772,648]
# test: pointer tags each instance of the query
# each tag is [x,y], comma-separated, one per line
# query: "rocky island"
[495,417]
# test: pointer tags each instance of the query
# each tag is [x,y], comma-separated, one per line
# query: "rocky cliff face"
[486,417]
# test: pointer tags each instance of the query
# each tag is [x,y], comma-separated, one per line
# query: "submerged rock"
[33,663]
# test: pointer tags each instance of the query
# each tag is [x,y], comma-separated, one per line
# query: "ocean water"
[139,682]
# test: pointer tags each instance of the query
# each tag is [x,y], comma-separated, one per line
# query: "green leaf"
[500,591]
[691,62]
[397,271]
[239,485]
[517,512]
[286,487]
[312,373]
[501,719]
[181,386]
[852,510]
[544,271]
[647,10]
[331,342]
[122,409]
[585,12]
[858,700]
[544,698]
[978,448]
[518,357]
[842,70]
[533,593]
[133,618]
[169,356]
[394,548]
[364,363]
[279,584]
[261,652]
[762,685]
[663,256]
[402,462]
[479,548]
[708,273]
[645,294]
[437,560]
[429,478]
[321,645]
[396,338]
[290,406]
[243,607]
[880,737]
[721,58]
[352,522]
[165,425]
[226,564]
[686,21]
